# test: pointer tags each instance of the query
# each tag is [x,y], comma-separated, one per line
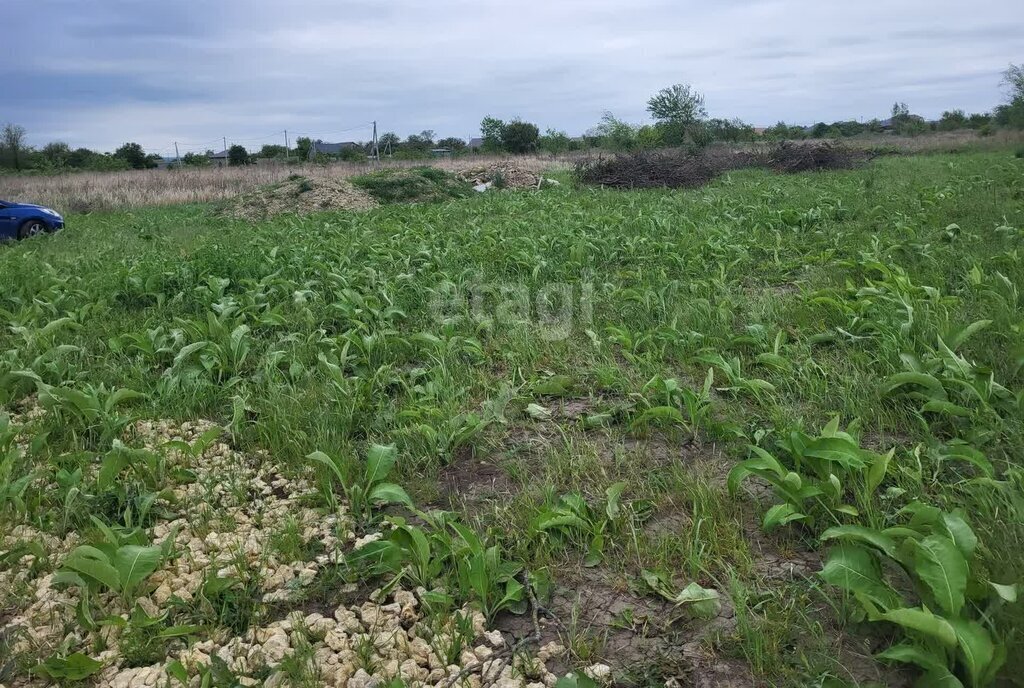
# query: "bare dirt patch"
[856,654]
[662,450]
[644,639]
[472,481]
[639,636]
[710,671]
[571,409]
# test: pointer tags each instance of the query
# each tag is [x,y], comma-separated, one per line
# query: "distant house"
[164,163]
[322,148]
[475,143]
[441,152]
[891,123]
[219,159]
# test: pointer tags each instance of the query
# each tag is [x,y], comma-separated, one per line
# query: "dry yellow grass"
[90,191]
[941,142]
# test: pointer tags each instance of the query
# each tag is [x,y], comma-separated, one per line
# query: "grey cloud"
[194,70]
[1010,31]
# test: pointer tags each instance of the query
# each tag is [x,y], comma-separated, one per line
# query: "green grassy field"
[573,373]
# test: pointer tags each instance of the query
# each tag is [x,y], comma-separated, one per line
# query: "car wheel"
[30,228]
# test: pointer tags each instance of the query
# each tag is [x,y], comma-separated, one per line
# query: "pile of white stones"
[230,512]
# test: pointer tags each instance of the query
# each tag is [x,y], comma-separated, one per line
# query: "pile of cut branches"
[789,157]
[682,169]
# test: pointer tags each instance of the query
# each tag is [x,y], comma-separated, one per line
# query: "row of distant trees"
[678,112]
[15,154]
[681,120]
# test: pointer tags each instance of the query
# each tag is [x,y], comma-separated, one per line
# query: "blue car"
[23,220]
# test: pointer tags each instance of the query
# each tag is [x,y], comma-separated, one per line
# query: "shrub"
[353,155]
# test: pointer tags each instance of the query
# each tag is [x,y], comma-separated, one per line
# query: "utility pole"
[177,154]
[287,150]
[376,150]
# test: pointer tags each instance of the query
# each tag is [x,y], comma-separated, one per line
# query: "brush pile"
[682,169]
[789,157]
[671,169]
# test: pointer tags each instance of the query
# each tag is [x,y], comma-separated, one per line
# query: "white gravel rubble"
[230,515]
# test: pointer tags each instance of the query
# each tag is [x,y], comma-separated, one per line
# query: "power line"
[261,138]
[189,147]
[200,145]
[366,125]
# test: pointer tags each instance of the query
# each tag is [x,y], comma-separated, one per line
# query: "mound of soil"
[681,169]
[504,175]
[300,196]
[415,185]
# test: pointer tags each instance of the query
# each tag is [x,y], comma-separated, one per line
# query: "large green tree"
[237,155]
[680,115]
[519,136]
[677,104]
[82,157]
[303,144]
[273,150]
[132,154]
[421,142]
[56,154]
[388,142]
[491,129]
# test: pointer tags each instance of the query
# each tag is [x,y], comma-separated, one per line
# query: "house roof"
[222,154]
[475,142]
[332,148]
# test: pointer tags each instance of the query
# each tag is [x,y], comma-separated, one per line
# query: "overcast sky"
[100,72]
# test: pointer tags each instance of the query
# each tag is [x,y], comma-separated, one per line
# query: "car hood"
[29,206]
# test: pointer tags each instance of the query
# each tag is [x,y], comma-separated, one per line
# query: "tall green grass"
[802,295]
